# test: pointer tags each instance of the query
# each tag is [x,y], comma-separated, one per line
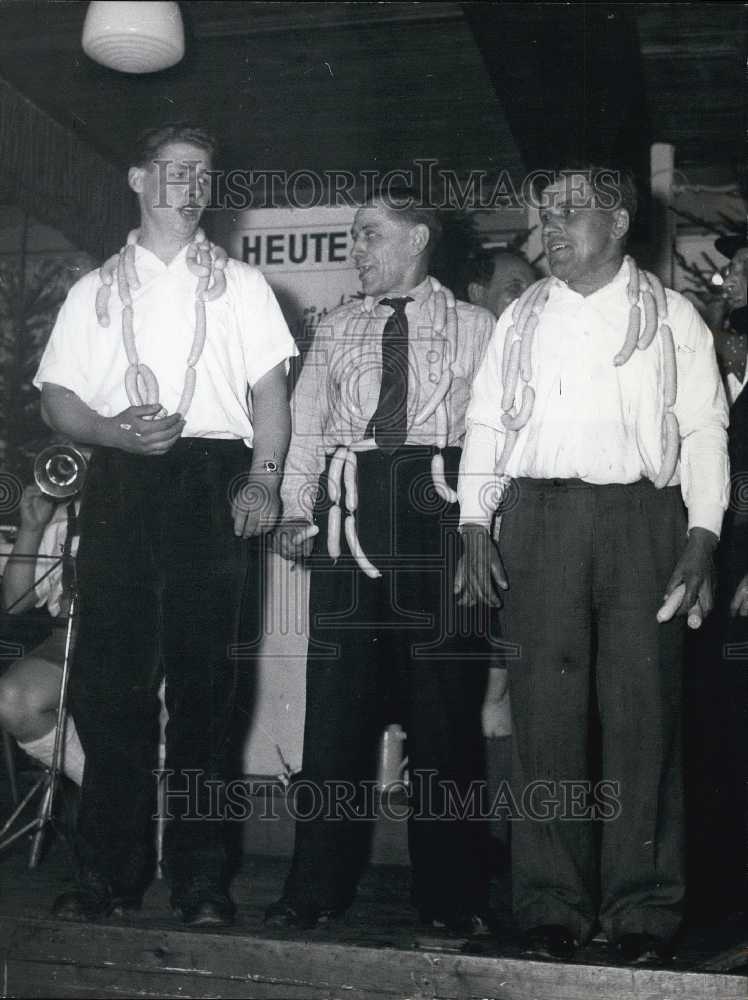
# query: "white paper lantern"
[135,36]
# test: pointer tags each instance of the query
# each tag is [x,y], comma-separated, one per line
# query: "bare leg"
[29,694]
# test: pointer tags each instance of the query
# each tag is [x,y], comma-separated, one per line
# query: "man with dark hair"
[600,397]
[378,420]
[591,186]
[495,278]
[171,360]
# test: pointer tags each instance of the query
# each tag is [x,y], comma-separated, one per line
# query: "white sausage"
[334,474]
[334,518]
[632,337]
[349,478]
[672,604]
[439,393]
[442,425]
[512,374]
[439,480]
[102,304]
[669,371]
[670,451]
[650,320]
[516,423]
[356,551]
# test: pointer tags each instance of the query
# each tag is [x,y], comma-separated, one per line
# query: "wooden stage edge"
[47,958]
[377,950]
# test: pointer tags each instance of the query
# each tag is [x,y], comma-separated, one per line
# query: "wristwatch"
[270,466]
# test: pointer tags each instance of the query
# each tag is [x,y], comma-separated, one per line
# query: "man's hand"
[255,504]
[36,510]
[132,432]
[692,580]
[294,539]
[739,602]
[480,570]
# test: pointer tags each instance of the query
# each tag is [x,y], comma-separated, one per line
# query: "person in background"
[497,277]
[730,326]
[171,360]
[607,412]
[30,687]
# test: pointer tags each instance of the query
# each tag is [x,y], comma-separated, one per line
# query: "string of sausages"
[645,322]
[207,262]
[342,470]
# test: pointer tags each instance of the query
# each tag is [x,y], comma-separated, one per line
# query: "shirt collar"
[618,281]
[419,294]
[154,260]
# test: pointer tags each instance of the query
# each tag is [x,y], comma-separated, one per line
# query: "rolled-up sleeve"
[702,412]
[484,437]
[66,358]
[310,406]
[269,341]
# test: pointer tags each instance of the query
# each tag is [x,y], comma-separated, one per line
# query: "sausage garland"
[648,315]
[342,470]
[342,475]
[207,262]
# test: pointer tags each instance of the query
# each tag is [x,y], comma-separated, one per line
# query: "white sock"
[73,757]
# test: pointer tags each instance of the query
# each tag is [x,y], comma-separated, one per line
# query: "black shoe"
[640,949]
[472,925]
[125,904]
[91,900]
[65,816]
[304,916]
[202,902]
[550,941]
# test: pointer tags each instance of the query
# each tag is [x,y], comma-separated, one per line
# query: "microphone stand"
[49,781]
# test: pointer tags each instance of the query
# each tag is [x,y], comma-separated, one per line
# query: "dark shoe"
[125,904]
[640,949]
[65,816]
[202,902]
[472,925]
[91,900]
[550,941]
[304,916]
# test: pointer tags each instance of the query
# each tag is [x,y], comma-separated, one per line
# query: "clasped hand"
[480,572]
[137,430]
[690,589]
[294,539]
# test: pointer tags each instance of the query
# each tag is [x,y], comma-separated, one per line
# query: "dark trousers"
[394,649]
[160,576]
[587,568]
[717,745]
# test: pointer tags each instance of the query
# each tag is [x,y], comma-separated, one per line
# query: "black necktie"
[389,425]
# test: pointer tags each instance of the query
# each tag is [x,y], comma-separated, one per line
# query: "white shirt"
[597,422]
[48,566]
[246,337]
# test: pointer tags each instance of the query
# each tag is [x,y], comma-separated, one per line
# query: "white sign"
[305,256]
[303,252]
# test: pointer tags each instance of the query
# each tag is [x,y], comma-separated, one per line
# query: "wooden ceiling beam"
[569,78]
[56,177]
[269,18]
[59,25]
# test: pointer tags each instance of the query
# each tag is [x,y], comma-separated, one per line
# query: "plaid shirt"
[338,389]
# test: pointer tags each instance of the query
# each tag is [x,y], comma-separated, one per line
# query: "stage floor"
[378,950]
